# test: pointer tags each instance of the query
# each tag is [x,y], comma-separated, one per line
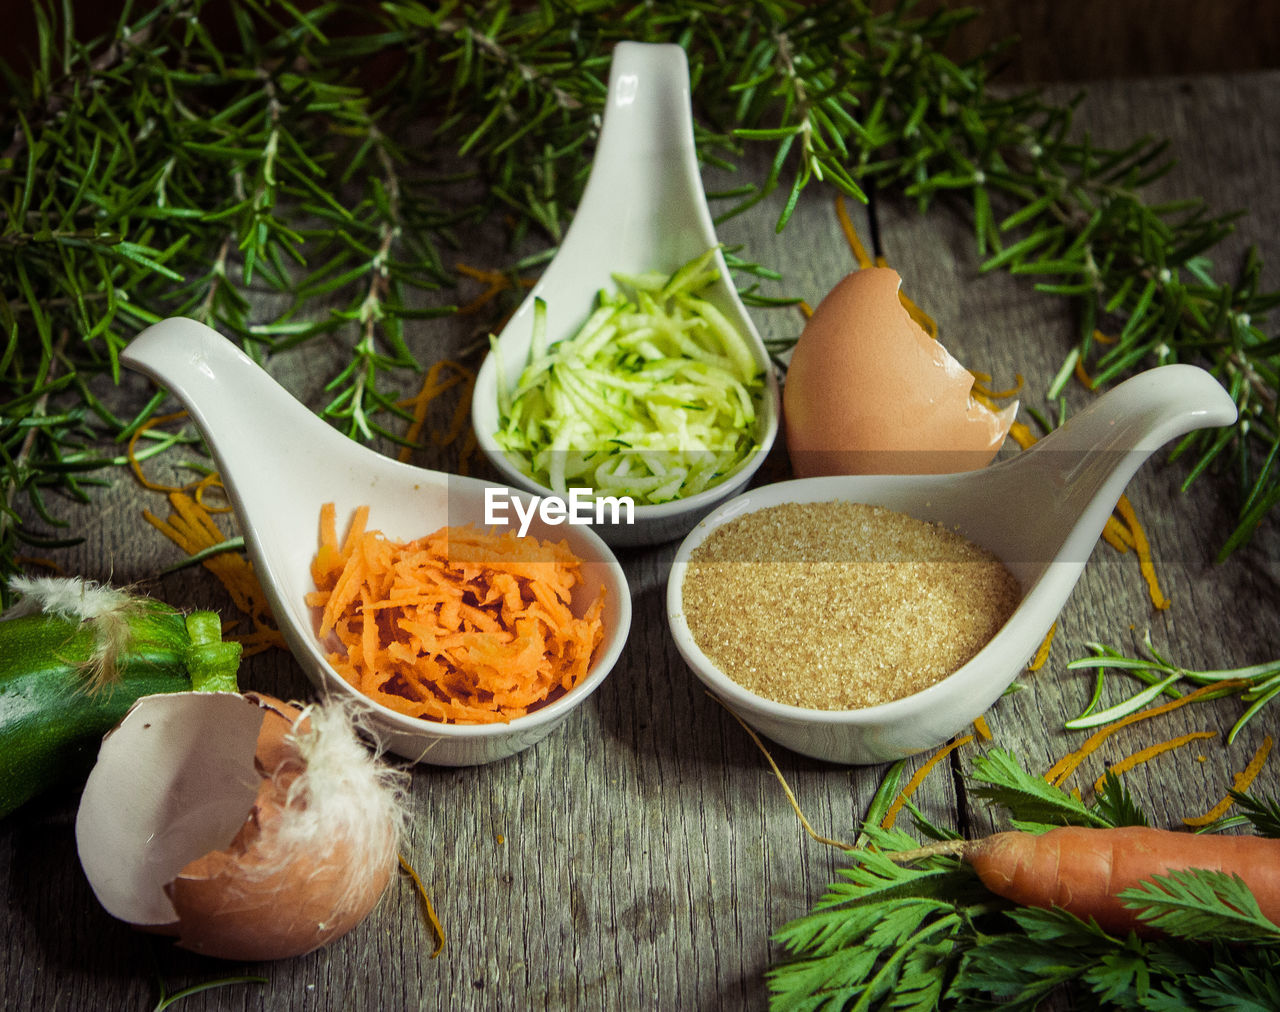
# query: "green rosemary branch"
[1255,684]
[284,174]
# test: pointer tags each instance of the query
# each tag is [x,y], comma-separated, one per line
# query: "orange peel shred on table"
[1150,752]
[891,815]
[1241,783]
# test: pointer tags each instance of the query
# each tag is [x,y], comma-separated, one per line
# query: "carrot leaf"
[1202,904]
[1116,804]
[1033,803]
[925,934]
[1264,813]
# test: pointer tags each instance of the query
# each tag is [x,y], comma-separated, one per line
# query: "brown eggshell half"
[229,907]
[234,904]
[160,795]
[869,392]
[173,820]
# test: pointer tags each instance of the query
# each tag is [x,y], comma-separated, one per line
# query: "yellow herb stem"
[918,777]
[1069,763]
[1149,753]
[433,385]
[461,411]
[1021,434]
[982,388]
[1042,654]
[860,254]
[427,908]
[1143,550]
[1085,380]
[1117,535]
[927,322]
[1241,783]
[786,787]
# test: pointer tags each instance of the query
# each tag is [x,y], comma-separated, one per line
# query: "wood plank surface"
[641,856]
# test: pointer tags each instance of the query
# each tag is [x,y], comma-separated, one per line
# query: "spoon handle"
[643,207]
[1068,483]
[269,447]
[647,137]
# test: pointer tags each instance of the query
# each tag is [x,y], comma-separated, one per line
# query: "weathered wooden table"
[641,856]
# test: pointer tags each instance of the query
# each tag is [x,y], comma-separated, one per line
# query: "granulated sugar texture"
[839,605]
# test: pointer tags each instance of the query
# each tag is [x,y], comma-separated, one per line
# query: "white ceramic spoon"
[643,209]
[1040,512]
[280,463]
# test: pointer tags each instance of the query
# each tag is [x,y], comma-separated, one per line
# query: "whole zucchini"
[68,674]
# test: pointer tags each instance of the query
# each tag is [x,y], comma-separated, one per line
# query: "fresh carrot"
[1083,870]
[461,626]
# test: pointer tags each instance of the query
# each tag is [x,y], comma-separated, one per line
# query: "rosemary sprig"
[297,174]
[1261,683]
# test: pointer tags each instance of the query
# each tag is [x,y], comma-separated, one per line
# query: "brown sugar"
[840,605]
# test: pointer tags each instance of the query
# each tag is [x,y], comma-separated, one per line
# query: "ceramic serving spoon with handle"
[280,463]
[643,209]
[1040,512]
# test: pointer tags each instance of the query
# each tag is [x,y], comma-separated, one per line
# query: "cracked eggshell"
[867,391]
[188,826]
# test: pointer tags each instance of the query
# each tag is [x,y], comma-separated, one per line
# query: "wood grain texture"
[641,856]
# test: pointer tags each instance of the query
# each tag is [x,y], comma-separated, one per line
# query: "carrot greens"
[927,935]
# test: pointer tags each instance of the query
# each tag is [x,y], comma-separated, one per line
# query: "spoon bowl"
[280,463]
[1040,513]
[643,210]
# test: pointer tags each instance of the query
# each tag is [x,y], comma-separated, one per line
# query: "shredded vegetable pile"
[461,626]
[654,398]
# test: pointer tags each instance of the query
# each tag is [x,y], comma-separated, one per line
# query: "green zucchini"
[54,710]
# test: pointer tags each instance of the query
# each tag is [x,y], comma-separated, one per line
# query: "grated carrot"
[192,529]
[1149,753]
[1241,783]
[981,729]
[131,454]
[1042,654]
[1143,550]
[461,626]
[917,778]
[860,254]
[1085,379]
[427,908]
[1069,763]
